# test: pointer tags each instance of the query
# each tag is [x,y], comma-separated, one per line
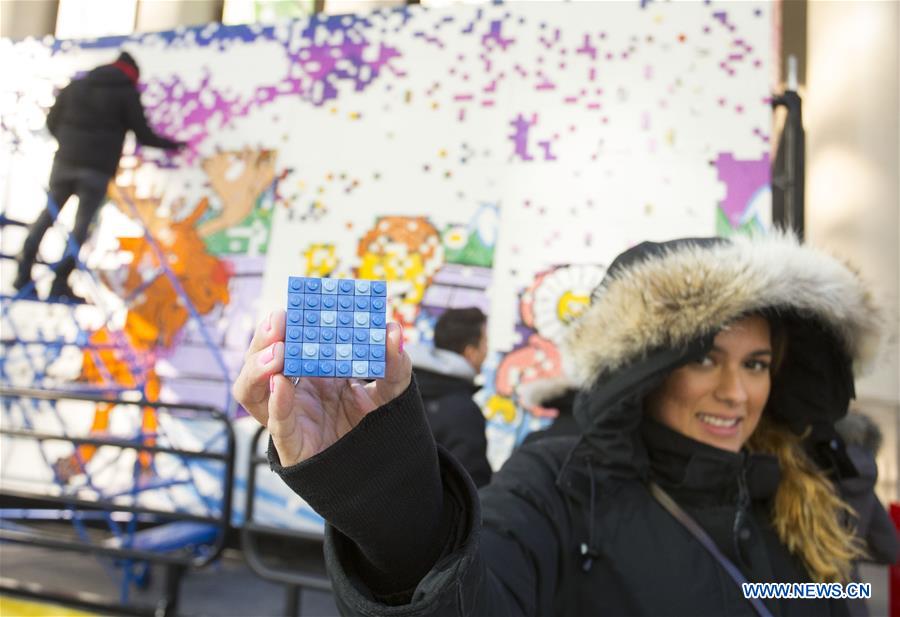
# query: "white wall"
[23,18]
[852,118]
[157,15]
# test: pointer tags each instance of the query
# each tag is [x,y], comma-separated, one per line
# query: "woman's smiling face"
[719,400]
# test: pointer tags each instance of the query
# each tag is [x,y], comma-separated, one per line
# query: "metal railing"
[294,578]
[126,543]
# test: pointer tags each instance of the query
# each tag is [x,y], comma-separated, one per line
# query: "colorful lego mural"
[494,155]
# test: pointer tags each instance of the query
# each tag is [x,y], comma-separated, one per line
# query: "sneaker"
[21,282]
[63,293]
[24,289]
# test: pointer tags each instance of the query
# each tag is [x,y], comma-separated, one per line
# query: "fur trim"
[858,429]
[540,391]
[691,290]
[441,361]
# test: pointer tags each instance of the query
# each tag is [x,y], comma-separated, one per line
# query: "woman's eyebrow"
[761,352]
[758,352]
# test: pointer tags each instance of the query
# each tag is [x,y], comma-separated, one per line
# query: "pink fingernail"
[267,355]
[271,384]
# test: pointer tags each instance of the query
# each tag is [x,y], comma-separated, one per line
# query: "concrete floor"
[227,588]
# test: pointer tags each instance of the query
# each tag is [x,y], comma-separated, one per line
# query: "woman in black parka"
[711,371]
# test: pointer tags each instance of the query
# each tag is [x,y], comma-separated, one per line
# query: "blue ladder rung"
[170,537]
[5,220]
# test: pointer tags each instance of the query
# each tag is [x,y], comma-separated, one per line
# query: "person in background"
[711,373]
[873,524]
[446,376]
[89,119]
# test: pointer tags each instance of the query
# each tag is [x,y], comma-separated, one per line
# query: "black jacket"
[91,116]
[447,383]
[568,526]
[874,525]
[456,420]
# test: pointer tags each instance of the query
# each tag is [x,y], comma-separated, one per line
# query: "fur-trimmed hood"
[544,392]
[660,306]
[663,295]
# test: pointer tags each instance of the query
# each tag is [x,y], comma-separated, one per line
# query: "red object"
[894,571]
[129,70]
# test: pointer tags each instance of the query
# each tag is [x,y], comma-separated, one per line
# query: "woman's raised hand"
[307,418]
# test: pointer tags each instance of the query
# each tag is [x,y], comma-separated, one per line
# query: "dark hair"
[779,338]
[456,329]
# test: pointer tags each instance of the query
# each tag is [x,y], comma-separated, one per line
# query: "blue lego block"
[328,318]
[360,352]
[361,320]
[326,368]
[310,351]
[292,351]
[312,302]
[360,368]
[335,328]
[294,334]
[343,369]
[311,317]
[309,368]
[345,303]
[329,302]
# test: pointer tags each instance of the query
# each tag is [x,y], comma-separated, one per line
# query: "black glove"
[175,146]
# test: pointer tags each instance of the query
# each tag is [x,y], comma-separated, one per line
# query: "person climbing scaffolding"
[89,119]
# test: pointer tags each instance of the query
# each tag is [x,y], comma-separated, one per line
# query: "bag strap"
[703,538]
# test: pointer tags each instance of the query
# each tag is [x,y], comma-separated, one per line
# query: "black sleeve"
[55,113]
[380,486]
[137,122]
[404,533]
[502,556]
